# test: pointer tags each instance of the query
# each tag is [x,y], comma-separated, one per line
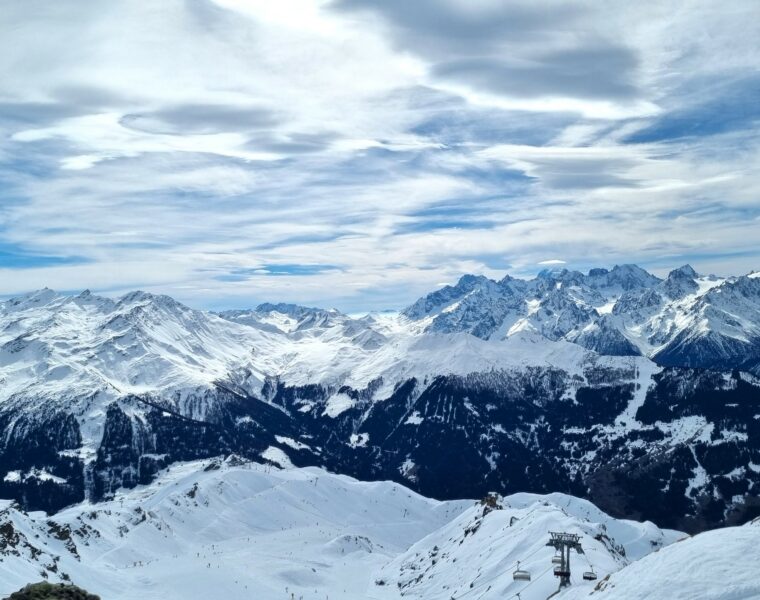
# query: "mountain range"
[639,393]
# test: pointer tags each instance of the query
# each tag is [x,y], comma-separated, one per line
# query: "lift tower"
[563,543]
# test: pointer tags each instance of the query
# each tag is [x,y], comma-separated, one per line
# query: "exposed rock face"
[52,591]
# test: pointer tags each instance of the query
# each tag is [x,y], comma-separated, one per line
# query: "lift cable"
[480,585]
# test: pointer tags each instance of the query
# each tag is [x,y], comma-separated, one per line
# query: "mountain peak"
[681,282]
[470,280]
[136,296]
[686,271]
[152,301]
[624,278]
[285,308]
[552,272]
[37,297]
[628,268]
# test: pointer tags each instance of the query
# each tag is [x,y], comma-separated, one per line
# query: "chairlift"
[558,572]
[520,574]
[589,576]
[556,560]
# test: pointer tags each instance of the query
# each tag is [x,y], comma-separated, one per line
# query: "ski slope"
[715,565]
[475,555]
[237,530]
[232,530]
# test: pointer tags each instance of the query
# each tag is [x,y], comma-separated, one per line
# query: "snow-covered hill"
[229,529]
[715,565]
[223,529]
[541,385]
[475,555]
[238,530]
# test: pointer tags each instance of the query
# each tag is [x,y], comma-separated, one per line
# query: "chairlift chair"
[520,574]
[589,576]
[556,560]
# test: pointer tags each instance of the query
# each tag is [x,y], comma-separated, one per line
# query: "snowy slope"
[229,529]
[475,554]
[216,529]
[715,565]
[54,345]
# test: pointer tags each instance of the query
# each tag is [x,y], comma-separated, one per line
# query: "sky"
[358,154]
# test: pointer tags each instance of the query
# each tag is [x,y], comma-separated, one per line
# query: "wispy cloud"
[355,153]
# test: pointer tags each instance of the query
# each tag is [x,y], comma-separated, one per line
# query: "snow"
[699,478]
[57,344]
[277,456]
[83,352]
[716,565]
[270,533]
[39,474]
[606,309]
[296,445]
[687,429]
[241,530]
[281,321]
[213,529]
[729,435]
[358,440]
[407,469]
[12,476]
[414,419]
[475,554]
[646,371]
[337,404]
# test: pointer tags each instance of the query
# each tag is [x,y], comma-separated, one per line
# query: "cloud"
[434,27]
[200,119]
[602,72]
[515,50]
[356,154]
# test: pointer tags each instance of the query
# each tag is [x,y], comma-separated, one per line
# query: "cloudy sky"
[359,153]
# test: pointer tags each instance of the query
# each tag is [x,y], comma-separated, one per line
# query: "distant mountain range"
[683,320]
[637,392]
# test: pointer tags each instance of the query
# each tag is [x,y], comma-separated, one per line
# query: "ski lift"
[556,560]
[520,574]
[589,576]
[558,572]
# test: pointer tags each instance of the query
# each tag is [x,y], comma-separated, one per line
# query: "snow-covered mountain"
[240,530]
[222,529]
[476,553]
[226,528]
[613,385]
[684,320]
